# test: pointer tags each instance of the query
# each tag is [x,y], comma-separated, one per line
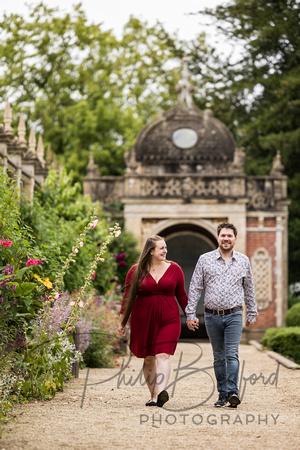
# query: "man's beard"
[227,249]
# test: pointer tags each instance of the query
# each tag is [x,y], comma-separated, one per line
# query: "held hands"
[121,330]
[192,324]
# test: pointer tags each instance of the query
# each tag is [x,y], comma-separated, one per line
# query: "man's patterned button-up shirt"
[225,286]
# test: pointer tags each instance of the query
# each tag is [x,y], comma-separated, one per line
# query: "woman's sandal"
[162,398]
[151,403]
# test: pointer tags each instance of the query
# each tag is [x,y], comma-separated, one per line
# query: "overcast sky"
[115,13]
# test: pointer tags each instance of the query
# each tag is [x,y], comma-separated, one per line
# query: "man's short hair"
[226,225]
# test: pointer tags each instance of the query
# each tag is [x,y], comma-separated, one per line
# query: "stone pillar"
[3,156]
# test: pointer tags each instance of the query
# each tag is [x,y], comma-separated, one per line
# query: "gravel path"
[112,412]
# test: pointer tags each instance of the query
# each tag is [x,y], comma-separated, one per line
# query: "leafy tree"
[81,86]
[258,95]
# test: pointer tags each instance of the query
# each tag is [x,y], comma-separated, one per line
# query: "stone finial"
[130,160]
[184,87]
[48,155]
[22,131]
[92,168]
[40,151]
[7,118]
[277,167]
[32,142]
[239,159]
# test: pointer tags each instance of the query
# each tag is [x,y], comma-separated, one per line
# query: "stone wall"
[24,162]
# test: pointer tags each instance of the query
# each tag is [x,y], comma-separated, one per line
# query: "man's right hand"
[193,324]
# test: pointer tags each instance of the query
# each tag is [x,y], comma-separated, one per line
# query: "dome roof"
[185,134]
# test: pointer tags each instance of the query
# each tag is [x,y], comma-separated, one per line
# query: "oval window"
[185,138]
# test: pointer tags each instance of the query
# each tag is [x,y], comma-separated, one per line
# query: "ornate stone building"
[184,176]
[24,163]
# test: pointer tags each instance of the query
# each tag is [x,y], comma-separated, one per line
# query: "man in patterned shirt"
[226,276]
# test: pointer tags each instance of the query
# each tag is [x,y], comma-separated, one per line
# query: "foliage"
[84,88]
[126,255]
[57,216]
[292,318]
[285,341]
[19,291]
[37,315]
[293,301]
[103,312]
[258,94]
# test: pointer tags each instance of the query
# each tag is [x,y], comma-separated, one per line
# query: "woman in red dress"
[151,289]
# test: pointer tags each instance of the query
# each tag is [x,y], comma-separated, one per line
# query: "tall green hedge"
[285,341]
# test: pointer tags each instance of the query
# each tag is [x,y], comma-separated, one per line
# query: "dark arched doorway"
[185,244]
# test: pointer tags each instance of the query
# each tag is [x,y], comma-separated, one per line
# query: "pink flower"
[94,275]
[57,309]
[70,328]
[81,304]
[93,224]
[76,250]
[102,259]
[72,303]
[6,243]
[118,233]
[34,262]
[81,244]
[73,260]
[110,229]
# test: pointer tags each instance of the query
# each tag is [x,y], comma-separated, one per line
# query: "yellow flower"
[46,283]
[38,278]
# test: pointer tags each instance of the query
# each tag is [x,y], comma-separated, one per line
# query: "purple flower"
[6,271]
[120,256]
[57,315]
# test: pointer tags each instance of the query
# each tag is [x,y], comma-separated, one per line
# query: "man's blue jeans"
[224,333]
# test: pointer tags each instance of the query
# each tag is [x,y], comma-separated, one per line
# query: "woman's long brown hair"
[143,267]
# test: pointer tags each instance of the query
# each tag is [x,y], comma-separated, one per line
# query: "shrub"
[37,349]
[293,301]
[103,311]
[58,216]
[285,341]
[292,318]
